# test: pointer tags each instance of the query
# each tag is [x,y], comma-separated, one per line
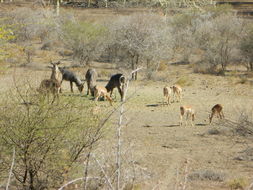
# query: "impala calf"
[216,110]
[177,91]
[189,112]
[48,86]
[167,92]
[101,91]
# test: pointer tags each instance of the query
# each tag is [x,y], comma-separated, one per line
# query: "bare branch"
[10,173]
[102,169]
[75,180]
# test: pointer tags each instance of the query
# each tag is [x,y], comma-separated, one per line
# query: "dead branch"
[10,173]
[75,180]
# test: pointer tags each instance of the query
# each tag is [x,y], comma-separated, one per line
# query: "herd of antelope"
[186,110]
[53,86]
[59,74]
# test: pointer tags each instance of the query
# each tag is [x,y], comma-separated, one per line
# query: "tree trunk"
[31,175]
[57,7]
[87,168]
[136,65]
[132,64]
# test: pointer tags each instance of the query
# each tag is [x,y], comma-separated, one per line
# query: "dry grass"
[207,175]
[162,147]
[239,183]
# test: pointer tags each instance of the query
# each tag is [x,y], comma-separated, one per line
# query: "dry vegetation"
[208,53]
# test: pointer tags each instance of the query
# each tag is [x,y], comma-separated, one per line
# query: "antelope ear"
[58,63]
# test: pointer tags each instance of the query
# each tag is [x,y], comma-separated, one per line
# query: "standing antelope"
[167,92]
[216,110]
[189,112]
[48,86]
[56,73]
[101,91]
[177,91]
[117,80]
[91,78]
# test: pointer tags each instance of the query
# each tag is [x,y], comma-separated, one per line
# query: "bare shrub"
[213,131]
[245,155]
[182,29]
[184,81]
[217,38]
[142,39]
[27,23]
[246,48]
[239,183]
[243,126]
[86,40]
[29,51]
[207,175]
[49,139]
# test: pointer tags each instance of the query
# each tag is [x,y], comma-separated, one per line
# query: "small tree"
[48,139]
[85,39]
[142,38]
[217,38]
[246,48]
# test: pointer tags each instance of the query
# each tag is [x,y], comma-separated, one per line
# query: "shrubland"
[51,141]
[216,38]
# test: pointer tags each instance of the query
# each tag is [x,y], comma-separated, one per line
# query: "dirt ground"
[159,144]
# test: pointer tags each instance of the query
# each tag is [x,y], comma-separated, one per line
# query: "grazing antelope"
[48,86]
[177,91]
[91,78]
[216,110]
[72,78]
[189,112]
[56,73]
[117,80]
[167,92]
[101,91]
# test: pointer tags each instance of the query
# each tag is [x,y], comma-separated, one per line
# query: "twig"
[87,168]
[102,169]
[74,180]
[250,186]
[185,174]
[118,155]
[176,184]
[10,173]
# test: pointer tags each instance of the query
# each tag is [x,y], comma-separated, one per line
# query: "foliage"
[84,39]
[49,139]
[239,183]
[246,48]
[217,39]
[207,175]
[143,38]
[6,35]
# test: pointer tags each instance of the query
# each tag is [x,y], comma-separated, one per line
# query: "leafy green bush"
[84,39]
[48,138]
